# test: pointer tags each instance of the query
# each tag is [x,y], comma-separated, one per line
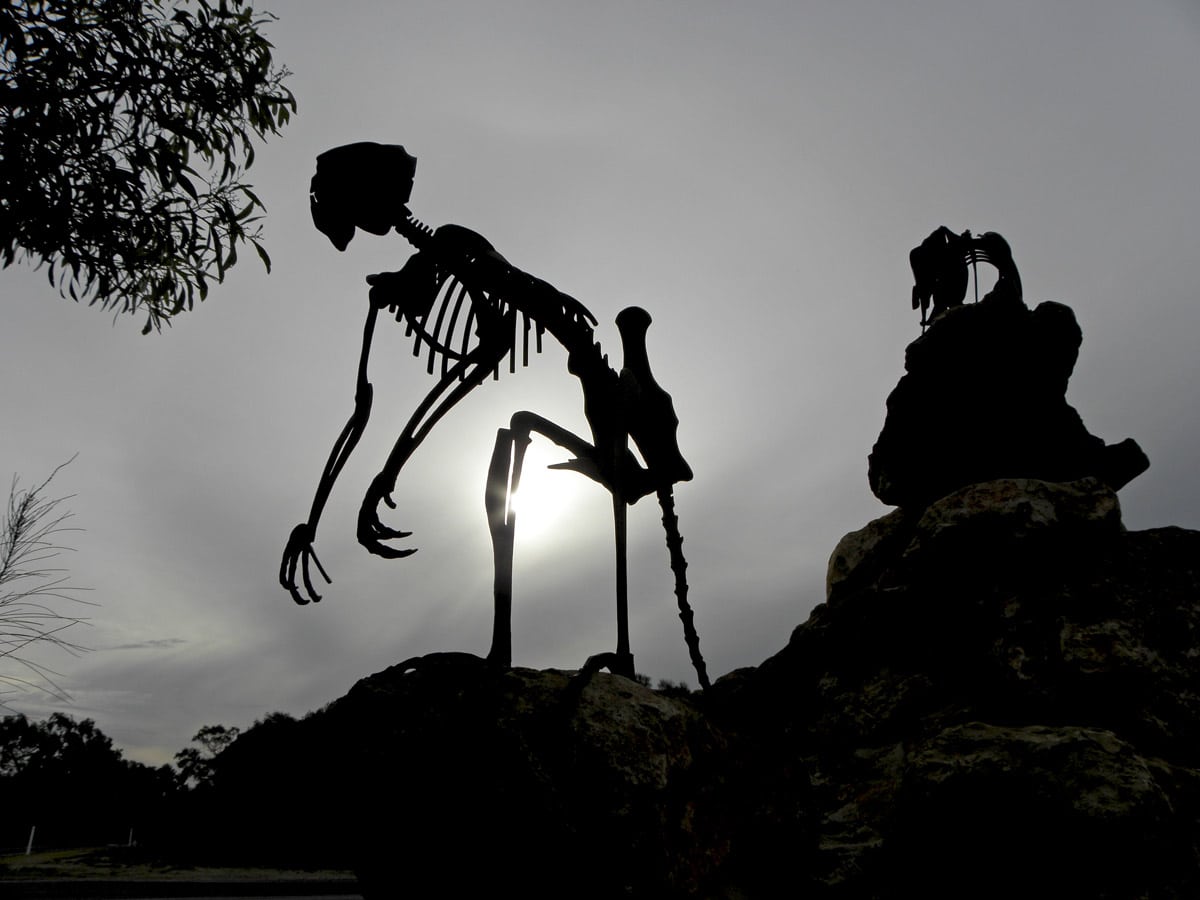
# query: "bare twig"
[29,540]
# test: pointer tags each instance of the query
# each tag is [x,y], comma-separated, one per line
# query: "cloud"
[157,644]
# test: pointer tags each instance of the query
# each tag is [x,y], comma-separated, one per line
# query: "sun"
[546,498]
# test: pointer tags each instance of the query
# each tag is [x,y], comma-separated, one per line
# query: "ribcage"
[460,319]
[461,299]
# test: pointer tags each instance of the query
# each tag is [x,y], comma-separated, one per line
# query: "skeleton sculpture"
[940,269]
[468,308]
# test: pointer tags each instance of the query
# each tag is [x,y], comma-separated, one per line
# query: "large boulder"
[476,782]
[984,810]
[984,397]
[992,531]
[999,697]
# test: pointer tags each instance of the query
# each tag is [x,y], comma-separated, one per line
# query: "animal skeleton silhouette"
[467,308]
[939,268]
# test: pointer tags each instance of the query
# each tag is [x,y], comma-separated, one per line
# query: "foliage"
[60,746]
[107,106]
[64,776]
[283,774]
[665,686]
[29,537]
[196,763]
[669,688]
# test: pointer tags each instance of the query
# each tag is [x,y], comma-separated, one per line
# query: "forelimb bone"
[299,548]
[465,375]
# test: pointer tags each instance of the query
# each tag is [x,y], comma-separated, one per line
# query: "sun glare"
[544,502]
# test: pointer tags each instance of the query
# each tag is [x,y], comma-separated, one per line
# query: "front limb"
[299,548]
[465,375]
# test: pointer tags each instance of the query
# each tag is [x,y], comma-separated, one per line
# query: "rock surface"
[477,782]
[1000,697]
[984,397]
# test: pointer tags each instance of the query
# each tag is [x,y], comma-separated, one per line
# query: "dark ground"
[86,873]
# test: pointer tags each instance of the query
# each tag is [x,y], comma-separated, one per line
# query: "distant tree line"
[234,798]
[276,794]
[66,778]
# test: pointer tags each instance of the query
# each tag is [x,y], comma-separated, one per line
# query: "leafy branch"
[125,129]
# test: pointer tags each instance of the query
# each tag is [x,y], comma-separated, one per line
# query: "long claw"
[308,585]
[391,552]
[287,578]
[320,568]
[372,533]
[296,556]
[311,554]
[384,533]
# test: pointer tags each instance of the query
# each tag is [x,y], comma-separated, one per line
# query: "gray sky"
[754,175]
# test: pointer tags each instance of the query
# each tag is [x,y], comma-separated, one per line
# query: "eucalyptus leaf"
[107,102]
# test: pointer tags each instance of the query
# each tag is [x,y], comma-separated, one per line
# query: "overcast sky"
[752,174]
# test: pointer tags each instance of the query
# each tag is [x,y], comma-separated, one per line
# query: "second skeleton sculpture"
[940,274]
[467,309]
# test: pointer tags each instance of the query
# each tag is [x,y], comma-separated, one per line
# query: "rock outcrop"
[476,782]
[984,397]
[999,697]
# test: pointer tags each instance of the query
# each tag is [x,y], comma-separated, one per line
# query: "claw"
[320,568]
[287,578]
[384,533]
[296,554]
[308,585]
[373,534]
[391,552]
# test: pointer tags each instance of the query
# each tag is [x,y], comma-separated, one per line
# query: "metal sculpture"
[939,268]
[468,308]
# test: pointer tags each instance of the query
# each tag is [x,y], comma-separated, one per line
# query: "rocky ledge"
[984,397]
[999,697]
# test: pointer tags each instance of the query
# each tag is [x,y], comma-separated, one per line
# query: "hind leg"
[504,476]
